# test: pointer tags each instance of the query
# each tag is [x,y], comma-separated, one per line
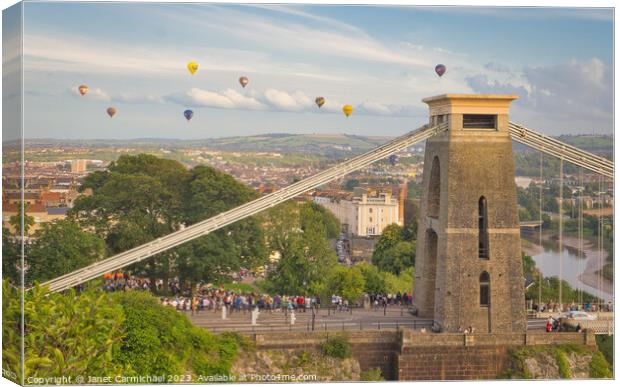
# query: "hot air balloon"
[440,69]
[83,89]
[393,159]
[243,81]
[111,111]
[188,114]
[192,67]
[347,110]
[320,101]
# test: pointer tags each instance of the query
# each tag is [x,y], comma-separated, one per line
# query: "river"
[579,272]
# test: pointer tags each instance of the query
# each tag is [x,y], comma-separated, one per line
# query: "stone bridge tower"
[468,259]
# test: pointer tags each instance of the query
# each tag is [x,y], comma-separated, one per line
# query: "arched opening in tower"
[434,186]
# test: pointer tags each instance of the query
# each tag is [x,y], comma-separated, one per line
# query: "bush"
[67,334]
[337,346]
[372,375]
[599,368]
[563,366]
[605,344]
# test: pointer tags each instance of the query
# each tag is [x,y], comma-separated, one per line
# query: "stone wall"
[372,349]
[412,355]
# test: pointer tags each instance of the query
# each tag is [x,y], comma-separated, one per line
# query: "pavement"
[392,318]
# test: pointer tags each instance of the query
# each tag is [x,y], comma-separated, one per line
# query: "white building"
[364,215]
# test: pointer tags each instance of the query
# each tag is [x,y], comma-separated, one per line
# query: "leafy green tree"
[374,280]
[392,253]
[60,247]
[101,334]
[141,198]
[320,214]
[213,257]
[65,334]
[16,220]
[345,281]
[135,201]
[11,257]
[299,233]
[410,231]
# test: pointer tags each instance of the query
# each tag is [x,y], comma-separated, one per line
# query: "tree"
[60,247]
[213,257]
[16,220]
[396,258]
[347,282]
[141,198]
[11,257]
[65,334]
[410,231]
[392,252]
[299,233]
[374,280]
[322,214]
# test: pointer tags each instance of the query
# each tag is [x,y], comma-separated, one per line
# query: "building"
[367,211]
[78,166]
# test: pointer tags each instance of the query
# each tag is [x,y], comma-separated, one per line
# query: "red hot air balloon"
[243,81]
[440,69]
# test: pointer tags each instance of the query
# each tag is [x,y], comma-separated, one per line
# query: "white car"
[577,315]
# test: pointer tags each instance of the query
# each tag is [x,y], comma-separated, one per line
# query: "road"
[393,317]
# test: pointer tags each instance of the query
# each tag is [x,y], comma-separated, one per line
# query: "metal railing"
[328,326]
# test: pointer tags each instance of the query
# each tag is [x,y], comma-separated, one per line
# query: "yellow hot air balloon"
[192,67]
[83,89]
[111,111]
[347,110]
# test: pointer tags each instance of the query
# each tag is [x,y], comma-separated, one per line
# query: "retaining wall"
[412,355]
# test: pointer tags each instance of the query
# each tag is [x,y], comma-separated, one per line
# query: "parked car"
[577,315]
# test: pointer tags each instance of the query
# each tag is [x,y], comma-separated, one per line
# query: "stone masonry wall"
[412,355]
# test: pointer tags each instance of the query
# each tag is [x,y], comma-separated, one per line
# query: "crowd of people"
[207,298]
[382,300]
[556,307]
[216,299]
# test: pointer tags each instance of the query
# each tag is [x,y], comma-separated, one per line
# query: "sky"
[380,60]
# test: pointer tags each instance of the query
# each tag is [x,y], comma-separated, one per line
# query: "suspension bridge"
[519,133]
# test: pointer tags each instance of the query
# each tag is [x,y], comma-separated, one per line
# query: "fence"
[330,326]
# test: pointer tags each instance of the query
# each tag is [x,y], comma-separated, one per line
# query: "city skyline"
[379,59]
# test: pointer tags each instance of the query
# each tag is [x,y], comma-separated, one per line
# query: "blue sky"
[379,59]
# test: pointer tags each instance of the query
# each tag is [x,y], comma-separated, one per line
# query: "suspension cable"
[600,241]
[561,224]
[540,201]
[580,235]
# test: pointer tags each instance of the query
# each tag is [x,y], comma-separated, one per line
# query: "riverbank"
[593,262]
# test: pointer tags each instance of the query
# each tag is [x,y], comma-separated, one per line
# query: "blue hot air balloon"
[188,114]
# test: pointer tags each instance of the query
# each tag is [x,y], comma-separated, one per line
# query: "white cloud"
[228,99]
[285,101]
[576,95]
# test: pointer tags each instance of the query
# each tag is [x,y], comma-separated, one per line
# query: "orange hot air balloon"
[320,101]
[111,111]
[244,81]
[347,110]
[83,89]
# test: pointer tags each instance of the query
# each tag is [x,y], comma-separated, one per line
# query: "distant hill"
[329,145]
[322,145]
[319,144]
